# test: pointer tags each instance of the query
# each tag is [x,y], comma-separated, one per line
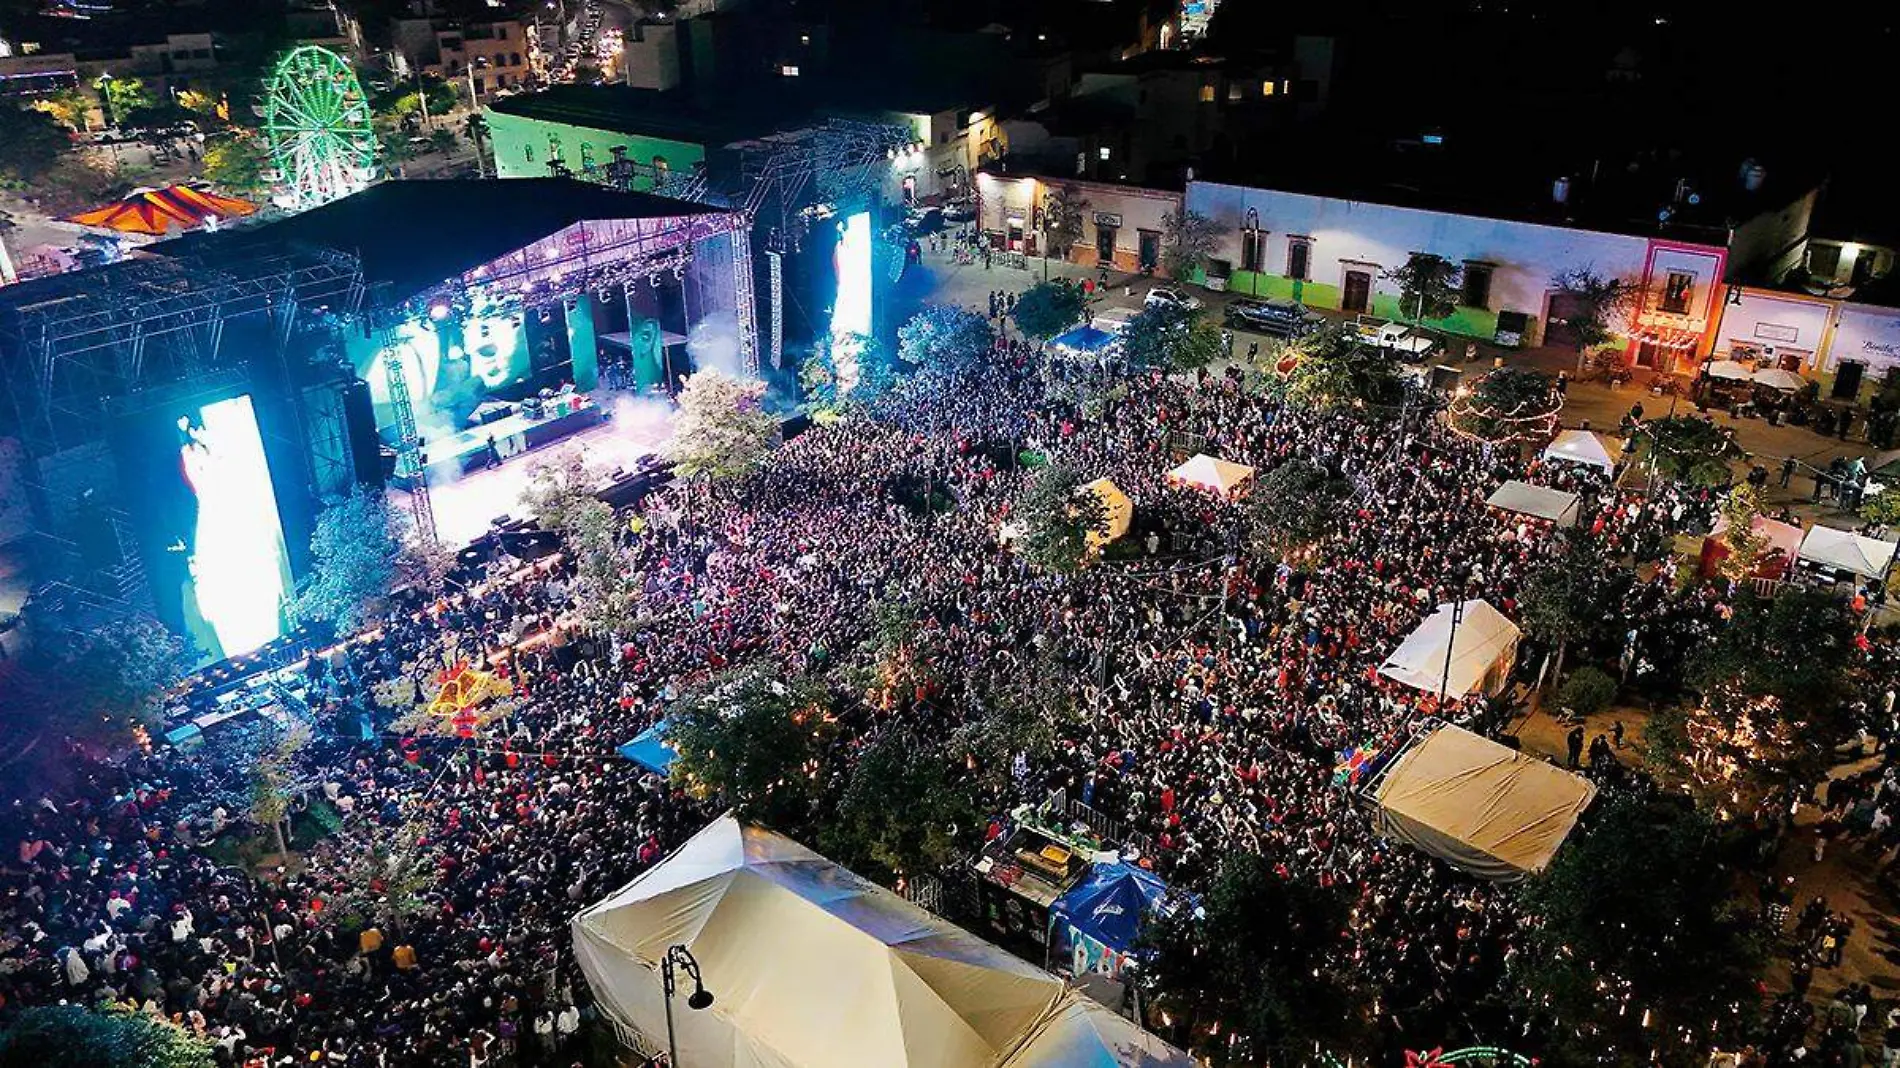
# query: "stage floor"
[465,506]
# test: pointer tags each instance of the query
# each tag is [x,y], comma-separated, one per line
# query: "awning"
[1483,808]
[1732,370]
[1847,551]
[1557,506]
[1584,447]
[1084,341]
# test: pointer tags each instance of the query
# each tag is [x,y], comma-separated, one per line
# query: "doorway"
[1847,380]
[1150,256]
[1564,309]
[1105,244]
[1356,296]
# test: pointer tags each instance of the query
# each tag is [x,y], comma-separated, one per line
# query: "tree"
[441,140]
[384,879]
[562,497]
[1171,338]
[362,548]
[1265,973]
[1330,373]
[120,97]
[236,161]
[99,1038]
[1882,509]
[31,142]
[1565,594]
[97,683]
[1636,943]
[276,783]
[1508,406]
[1048,308]
[1684,448]
[1063,209]
[68,107]
[907,807]
[475,128]
[1189,239]
[945,336]
[1294,505]
[1587,691]
[1774,686]
[1744,543]
[1428,286]
[1057,515]
[1600,304]
[724,430]
[855,368]
[431,95]
[755,741]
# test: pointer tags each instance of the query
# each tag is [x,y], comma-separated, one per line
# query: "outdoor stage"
[465,506]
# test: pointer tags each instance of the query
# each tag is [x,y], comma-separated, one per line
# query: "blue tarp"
[1093,927]
[1086,340]
[650,750]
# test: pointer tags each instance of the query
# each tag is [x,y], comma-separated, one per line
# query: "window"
[1676,292]
[1207,94]
[1234,91]
[514,59]
[788,71]
[1298,251]
[1253,249]
[587,155]
[1266,88]
[1103,152]
[660,167]
[1477,290]
[501,32]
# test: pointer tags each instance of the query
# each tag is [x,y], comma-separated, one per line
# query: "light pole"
[700,998]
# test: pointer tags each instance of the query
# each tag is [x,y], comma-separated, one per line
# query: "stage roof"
[411,235]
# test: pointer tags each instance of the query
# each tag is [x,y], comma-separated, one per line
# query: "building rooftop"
[411,235]
[672,115]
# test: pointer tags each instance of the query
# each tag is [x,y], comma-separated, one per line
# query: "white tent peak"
[811,965]
[1212,473]
[1847,551]
[1480,655]
[1583,447]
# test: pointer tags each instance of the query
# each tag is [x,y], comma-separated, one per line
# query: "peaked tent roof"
[1485,809]
[1109,903]
[413,234]
[649,750]
[1583,447]
[158,211]
[811,965]
[1484,637]
[1085,340]
[1207,472]
[1556,505]
[1844,549]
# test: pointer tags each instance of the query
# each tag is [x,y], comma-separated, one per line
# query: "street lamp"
[700,998]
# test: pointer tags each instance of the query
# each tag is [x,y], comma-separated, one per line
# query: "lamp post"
[700,998]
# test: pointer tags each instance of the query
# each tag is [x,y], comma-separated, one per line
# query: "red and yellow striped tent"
[157,211]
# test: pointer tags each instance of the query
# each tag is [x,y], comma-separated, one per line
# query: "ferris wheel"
[317,122]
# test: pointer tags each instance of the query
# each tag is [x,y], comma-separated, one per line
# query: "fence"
[925,892]
[1106,827]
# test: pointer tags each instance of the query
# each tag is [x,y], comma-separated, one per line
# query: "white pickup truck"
[1397,339]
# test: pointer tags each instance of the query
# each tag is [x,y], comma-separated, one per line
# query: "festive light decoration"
[317,122]
[1497,409]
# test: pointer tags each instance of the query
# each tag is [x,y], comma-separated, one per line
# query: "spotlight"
[439,311]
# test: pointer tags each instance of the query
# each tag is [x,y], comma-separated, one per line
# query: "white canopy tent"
[1483,808]
[1847,551]
[1557,506]
[1220,476]
[1584,447]
[1480,654]
[1731,370]
[1777,378]
[811,966]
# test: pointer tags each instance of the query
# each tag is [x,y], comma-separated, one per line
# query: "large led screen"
[236,573]
[851,311]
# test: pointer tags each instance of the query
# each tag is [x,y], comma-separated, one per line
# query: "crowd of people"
[1215,690]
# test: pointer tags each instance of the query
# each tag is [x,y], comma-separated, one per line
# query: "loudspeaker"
[366,449]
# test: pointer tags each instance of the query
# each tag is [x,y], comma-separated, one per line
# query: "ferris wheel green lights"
[318,123]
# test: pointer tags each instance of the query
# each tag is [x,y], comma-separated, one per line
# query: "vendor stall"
[1215,475]
[1540,502]
[1585,447]
[1844,550]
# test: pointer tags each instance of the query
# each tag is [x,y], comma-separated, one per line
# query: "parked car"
[1274,318]
[961,211]
[1396,339]
[1167,296]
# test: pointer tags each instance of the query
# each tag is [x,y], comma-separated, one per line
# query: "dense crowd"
[1214,700]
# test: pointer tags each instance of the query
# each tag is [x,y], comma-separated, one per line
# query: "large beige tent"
[1480,653]
[1209,473]
[1121,512]
[1554,505]
[811,966]
[1480,807]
